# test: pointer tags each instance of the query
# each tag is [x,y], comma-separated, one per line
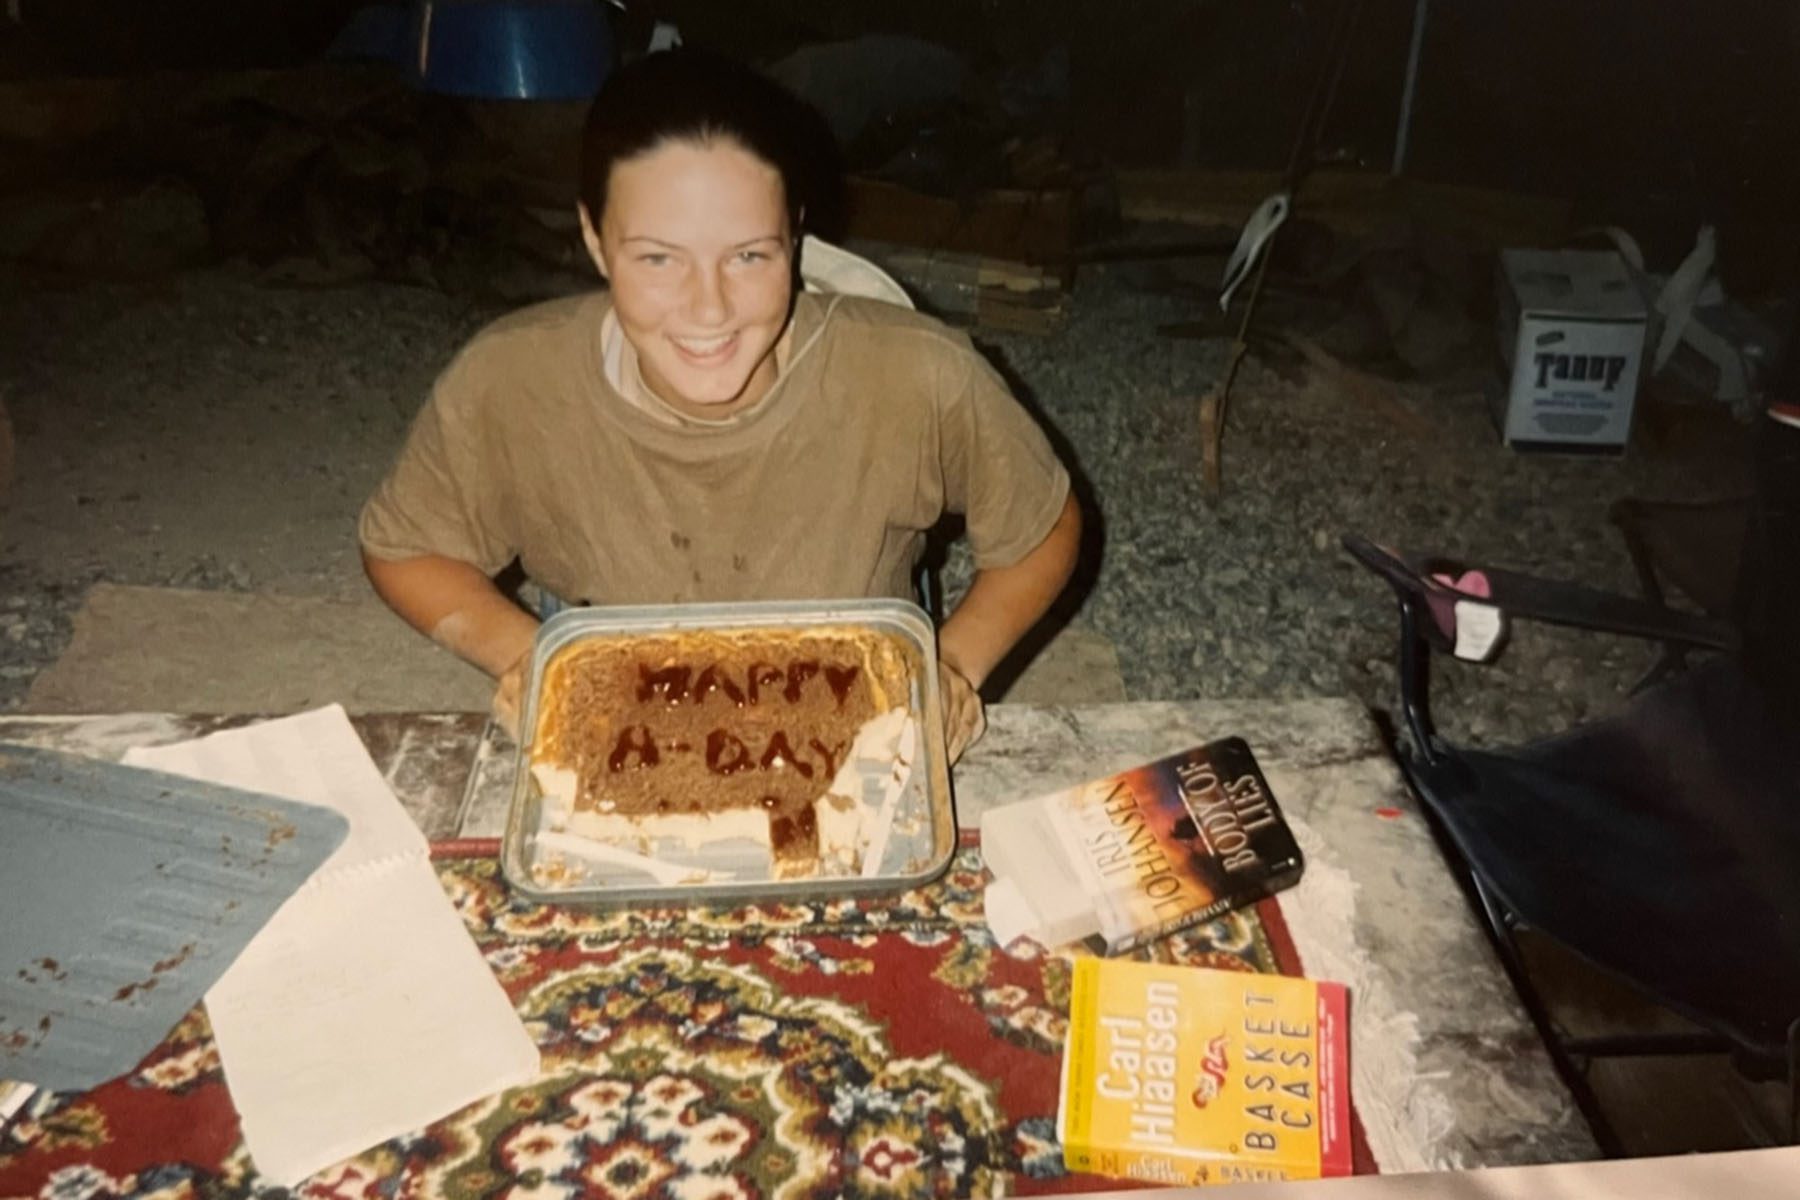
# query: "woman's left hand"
[509,695]
[965,720]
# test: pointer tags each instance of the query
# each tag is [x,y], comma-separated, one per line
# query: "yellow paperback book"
[1186,1075]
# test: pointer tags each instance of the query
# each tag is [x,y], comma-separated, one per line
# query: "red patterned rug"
[845,1048]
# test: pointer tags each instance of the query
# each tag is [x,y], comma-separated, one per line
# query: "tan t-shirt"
[882,420]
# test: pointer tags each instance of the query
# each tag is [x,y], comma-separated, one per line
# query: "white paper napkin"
[363,1009]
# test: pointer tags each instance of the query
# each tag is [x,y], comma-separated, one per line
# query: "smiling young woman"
[696,243]
[704,429]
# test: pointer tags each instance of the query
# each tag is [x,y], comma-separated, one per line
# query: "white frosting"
[853,816]
[573,853]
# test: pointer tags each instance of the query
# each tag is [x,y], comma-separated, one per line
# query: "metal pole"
[1412,82]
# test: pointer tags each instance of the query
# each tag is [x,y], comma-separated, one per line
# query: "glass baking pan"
[908,828]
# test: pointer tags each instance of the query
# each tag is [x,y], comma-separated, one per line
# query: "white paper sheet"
[312,757]
[1008,914]
[363,1010]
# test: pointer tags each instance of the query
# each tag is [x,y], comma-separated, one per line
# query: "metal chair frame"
[1429,753]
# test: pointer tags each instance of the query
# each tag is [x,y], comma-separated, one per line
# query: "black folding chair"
[1693,547]
[1661,843]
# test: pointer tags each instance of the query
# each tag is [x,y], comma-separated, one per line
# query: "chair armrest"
[1530,598]
[1559,603]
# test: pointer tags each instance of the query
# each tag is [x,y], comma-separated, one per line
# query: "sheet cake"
[704,735]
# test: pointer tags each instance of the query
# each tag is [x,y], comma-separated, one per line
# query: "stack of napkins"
[363,1010]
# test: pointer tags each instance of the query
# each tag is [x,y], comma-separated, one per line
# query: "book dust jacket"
[1175,842]
[1185,1075]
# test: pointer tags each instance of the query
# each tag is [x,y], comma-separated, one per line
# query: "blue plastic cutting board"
[124,895]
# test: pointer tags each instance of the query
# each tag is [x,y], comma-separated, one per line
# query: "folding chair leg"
[1646,1045]
[1572,1066]
[1415,683]
[1793,1071]
[1648,584]
[1674,656]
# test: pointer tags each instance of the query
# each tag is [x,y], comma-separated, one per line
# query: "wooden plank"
[1212,434]
[1352,202]
[994,294]
[60,110]
[1040,313]
[6,452]
[1003,224]
[947,269]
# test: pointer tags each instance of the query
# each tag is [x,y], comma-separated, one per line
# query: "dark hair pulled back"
[700,97]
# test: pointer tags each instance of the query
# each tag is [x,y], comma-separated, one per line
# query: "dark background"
[1653,114]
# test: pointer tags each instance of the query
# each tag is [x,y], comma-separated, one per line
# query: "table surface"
[1482,1090]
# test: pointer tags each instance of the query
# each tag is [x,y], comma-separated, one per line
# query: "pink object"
[1470,583]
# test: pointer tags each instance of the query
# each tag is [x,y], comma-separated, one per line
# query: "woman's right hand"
[965,718]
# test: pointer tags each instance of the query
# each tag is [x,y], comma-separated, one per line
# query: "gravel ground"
[1252,596]
[212,430]
[202,431]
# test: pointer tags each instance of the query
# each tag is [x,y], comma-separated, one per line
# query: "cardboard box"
[1571,327]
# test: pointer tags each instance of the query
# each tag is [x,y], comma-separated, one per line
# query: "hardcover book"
[1132,856]
[1185,1075]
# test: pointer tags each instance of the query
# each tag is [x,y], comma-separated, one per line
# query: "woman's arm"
[458,607]
[1001,606]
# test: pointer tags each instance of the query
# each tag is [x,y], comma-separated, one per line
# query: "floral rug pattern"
[877,1047]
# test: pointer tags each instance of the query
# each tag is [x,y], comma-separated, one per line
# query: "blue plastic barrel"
[513,49]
